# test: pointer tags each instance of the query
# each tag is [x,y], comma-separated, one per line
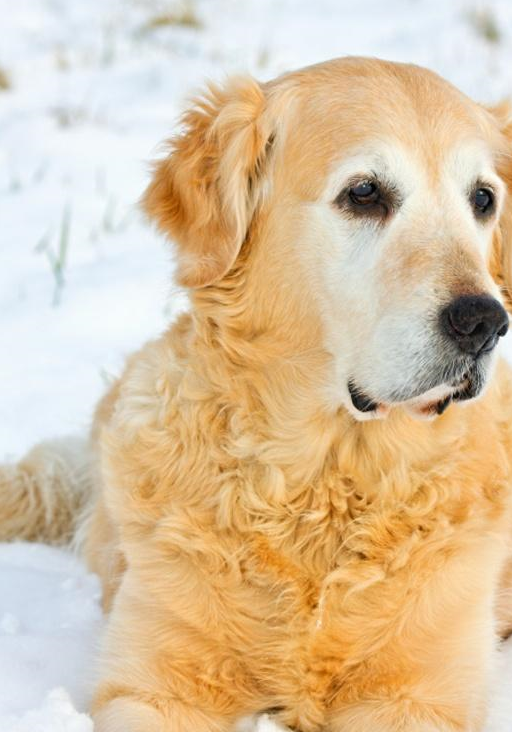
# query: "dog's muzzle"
[470,328]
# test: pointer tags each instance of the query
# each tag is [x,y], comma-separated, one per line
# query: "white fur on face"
[381,322]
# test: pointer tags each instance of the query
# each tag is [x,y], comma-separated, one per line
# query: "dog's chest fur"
[304,569]
[337,587]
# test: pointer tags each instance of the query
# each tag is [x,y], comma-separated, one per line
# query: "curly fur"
[258,549]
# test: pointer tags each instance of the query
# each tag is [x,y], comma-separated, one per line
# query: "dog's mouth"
[427,407]
[431,403]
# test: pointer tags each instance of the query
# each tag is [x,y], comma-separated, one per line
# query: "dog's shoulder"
[150,377]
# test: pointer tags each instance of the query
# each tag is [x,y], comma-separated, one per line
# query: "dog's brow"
[384,161]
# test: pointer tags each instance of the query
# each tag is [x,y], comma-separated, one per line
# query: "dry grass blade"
[5,82]
[485,25]
[184,15]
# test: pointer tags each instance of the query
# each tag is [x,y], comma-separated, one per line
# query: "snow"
[50,626]
[94,86]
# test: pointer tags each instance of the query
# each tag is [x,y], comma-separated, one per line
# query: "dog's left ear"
[204,194]
[501,255]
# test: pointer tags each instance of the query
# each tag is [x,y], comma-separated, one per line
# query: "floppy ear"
[204,193]
[501,255]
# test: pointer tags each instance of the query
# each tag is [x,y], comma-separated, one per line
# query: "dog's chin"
[426,406]
[436,401]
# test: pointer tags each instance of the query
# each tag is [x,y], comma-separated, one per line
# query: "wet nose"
[475,322]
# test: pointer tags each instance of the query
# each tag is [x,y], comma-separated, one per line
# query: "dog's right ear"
[203,195]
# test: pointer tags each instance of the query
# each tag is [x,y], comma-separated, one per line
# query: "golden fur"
[259,550]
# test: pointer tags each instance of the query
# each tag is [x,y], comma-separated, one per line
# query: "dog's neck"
[291,469]
[273,380]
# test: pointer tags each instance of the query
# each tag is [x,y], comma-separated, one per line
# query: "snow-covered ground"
[92,87]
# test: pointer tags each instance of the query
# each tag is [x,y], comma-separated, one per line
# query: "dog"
[299,497]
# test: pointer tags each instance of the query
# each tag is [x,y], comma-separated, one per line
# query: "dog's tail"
[43,497]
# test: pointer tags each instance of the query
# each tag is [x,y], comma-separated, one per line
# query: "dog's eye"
[483,201]
[364,193]
[368,199]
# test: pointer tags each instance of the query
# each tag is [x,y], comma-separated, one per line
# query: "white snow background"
[91,87]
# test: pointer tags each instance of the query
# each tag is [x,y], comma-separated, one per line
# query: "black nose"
[475,322]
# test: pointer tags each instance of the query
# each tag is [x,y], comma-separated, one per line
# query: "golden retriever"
[299,497]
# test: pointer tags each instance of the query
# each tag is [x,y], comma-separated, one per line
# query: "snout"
[474,323]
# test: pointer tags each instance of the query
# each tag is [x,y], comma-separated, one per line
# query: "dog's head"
[371,194]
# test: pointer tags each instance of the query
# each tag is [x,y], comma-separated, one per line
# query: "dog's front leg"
[449,695]
[166,666]
[393,716]
[418,691]
[127,714]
